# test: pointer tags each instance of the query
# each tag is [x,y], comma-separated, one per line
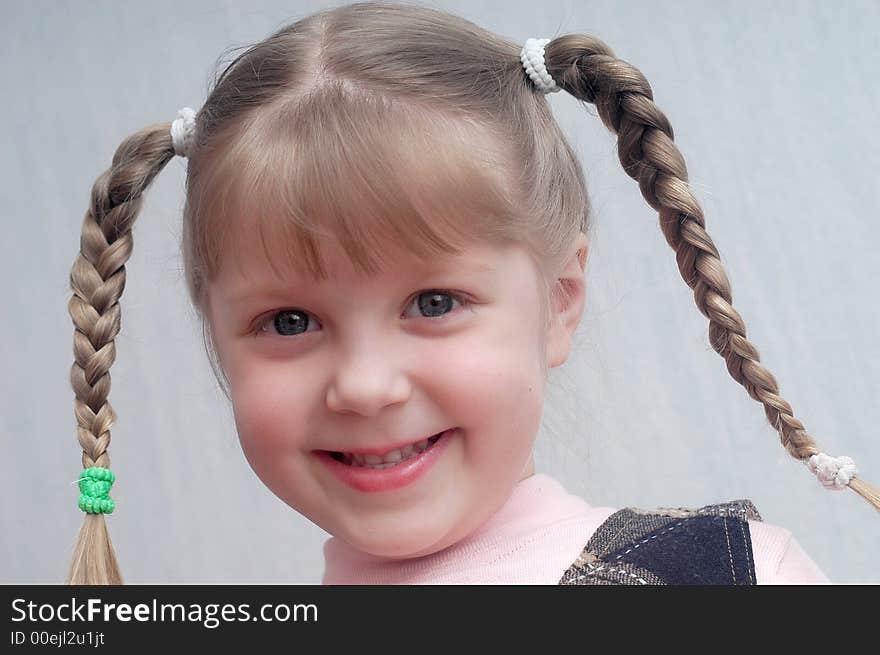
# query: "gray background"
[774,108]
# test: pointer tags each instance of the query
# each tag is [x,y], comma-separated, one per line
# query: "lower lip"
[364,478]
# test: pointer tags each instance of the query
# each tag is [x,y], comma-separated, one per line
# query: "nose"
[366,381]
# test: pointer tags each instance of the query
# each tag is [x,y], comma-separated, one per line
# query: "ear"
[567,303]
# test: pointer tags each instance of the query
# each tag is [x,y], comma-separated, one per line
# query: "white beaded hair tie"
[532,58]
[833,472]
[182,130]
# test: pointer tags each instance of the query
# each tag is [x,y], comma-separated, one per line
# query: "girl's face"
[360,363]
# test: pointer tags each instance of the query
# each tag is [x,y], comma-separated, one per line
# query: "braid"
[587,68]
[97,279]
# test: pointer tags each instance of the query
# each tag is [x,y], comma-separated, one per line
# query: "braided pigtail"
[587,68]
[97,279]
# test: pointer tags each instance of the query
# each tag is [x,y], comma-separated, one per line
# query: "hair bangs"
[373,176]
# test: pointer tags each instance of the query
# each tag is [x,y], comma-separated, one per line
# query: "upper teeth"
[388,459]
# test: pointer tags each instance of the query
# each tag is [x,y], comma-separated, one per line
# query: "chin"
[407,548]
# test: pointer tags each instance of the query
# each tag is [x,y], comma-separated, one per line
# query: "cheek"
[494,382]
[269,416]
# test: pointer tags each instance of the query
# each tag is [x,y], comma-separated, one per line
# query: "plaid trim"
[709,545]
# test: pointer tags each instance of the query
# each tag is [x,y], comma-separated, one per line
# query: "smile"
[391,458]
[394,469]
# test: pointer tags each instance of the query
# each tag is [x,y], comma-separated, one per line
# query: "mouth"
[389,459]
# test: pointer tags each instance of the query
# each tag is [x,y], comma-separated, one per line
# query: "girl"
[375,194]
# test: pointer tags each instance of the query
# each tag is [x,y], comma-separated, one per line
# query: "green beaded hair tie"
[94,486]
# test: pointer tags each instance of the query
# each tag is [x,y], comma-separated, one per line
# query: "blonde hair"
[374,122]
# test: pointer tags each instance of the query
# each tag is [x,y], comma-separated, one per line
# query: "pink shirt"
[535,536]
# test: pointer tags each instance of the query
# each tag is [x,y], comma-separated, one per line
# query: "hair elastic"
[182,130]
[532,58]
[94,486]
[833,472]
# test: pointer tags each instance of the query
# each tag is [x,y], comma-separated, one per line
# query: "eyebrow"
[244,293]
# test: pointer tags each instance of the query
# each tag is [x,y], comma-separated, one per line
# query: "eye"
[434,304]
[286,323]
